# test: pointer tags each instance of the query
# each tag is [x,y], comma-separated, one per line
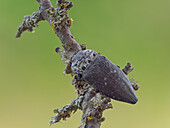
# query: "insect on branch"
[90,99]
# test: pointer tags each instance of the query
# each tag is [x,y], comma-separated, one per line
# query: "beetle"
[99,72]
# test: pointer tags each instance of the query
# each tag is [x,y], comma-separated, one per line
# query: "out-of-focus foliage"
[31,79]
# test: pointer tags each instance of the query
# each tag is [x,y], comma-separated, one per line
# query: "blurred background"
[31,79]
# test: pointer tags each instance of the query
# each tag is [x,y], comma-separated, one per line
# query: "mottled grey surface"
[82,60]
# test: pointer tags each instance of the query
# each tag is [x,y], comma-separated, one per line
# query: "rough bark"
[91,103]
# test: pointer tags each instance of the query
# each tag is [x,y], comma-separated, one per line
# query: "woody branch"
[91,103]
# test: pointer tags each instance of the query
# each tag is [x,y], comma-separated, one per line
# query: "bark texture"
[90,102]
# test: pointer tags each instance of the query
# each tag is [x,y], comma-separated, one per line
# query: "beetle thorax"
[82,60]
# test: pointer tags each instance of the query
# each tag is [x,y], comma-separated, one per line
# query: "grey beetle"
[103,75]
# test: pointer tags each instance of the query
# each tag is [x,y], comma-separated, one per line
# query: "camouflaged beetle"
[103,75]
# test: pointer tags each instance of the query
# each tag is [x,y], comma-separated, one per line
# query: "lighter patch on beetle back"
[82,60]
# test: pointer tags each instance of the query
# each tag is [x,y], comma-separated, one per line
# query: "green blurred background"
[31,79]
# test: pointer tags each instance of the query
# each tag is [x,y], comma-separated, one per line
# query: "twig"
[128,68]
[91,103]
[66,111]
[29,22]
